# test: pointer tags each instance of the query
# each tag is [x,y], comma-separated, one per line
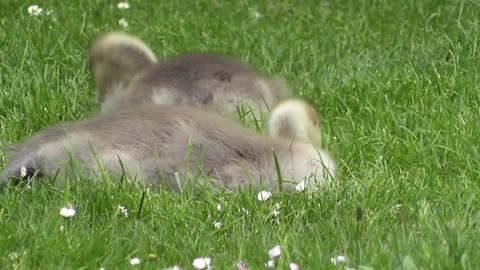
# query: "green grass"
[397,87]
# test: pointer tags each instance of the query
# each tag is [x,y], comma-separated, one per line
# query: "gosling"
[151,143]
[127,73]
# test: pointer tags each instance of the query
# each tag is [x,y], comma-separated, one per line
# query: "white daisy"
[135,261]
[338,259]
[219,207]
[123,23]
[275,252]
[123,5]
[123,210]
[202,263]
[34,10]
[263,195]
[301,186]
[217,224]
[270,264]
[294,266]
[68,211]
[276,210]
[245,211]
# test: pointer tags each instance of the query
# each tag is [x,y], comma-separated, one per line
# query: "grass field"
[396,84]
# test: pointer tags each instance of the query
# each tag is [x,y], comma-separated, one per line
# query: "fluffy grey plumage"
[152,141]
[127,73]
